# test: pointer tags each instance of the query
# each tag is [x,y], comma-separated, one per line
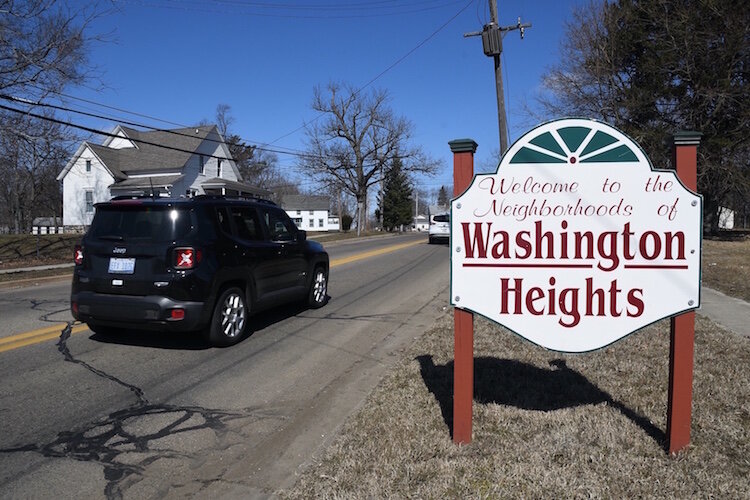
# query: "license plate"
[121,266]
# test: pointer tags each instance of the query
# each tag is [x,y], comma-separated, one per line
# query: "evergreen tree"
[656,67]
[442,200]
[397,199]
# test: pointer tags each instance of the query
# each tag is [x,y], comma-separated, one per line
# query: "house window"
[299,212]
[320,222]
[201,164]
[89,202]
[218,168]
[88,166]
[312,223]
[298,221]
[312,212]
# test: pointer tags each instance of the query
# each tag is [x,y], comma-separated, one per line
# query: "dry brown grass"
[23,250]
[726,266]
[546,425]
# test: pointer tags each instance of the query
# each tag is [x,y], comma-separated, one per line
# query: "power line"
[258,145]
[143,141]
[291,152]
[134,113]
[262,10]
[109,134]
[398,61]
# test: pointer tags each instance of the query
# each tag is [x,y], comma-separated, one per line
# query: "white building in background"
[421,223]
[726,218]
[311,213]
[171,163]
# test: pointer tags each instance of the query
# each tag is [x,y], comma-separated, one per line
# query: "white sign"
[575,241]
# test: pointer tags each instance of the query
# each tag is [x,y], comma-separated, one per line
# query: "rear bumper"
[152,312]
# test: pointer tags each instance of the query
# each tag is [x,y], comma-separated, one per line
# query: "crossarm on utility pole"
[492,44]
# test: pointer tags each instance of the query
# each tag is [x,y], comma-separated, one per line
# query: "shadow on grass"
[512,383]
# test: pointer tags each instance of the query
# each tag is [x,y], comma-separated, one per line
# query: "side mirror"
[301,235]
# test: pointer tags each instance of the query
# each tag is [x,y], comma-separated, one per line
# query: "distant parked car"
[204,263]
[440,228]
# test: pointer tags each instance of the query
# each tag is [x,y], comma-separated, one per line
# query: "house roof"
[305,202]
[217,183]
[147,182]
[110,158]
[156,149]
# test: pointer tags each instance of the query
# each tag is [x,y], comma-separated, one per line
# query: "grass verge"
[24,250]
[341,236]
[546,425]
[726,266]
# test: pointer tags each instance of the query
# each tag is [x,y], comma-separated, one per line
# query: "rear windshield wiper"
[111,237]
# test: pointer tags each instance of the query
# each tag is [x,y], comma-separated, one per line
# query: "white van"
[440,227]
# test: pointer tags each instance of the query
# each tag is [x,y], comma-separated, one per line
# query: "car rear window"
[139,222]
[441,218]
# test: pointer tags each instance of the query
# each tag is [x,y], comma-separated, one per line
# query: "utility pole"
[492,43]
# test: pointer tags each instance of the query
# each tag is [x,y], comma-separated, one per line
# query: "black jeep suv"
[203,263]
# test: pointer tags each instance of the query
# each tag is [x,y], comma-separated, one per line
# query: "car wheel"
[229,319]
[318,295]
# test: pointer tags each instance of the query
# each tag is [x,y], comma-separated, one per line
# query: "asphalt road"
[156,415]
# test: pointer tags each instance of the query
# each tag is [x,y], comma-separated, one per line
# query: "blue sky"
[176,60]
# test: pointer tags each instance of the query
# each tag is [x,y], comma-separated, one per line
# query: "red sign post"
[463,363]
[680,396]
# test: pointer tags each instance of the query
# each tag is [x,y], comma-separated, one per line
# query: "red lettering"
[534,294]
[524,244]
[477,242]
[505,290]
[635,299]
[500,249]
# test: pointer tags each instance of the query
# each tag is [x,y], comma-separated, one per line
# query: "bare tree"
[44,45]
[224,118]
[29,162]
[357,136]
[256,165]
[43,49]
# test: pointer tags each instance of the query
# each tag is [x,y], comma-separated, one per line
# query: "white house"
[172,163]
[420,223]
[310,213]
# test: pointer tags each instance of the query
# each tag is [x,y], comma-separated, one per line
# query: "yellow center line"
[53,331]
[373,253]
[36,336]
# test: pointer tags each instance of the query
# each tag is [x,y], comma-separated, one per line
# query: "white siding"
[319,219]
[75,184]
[209,149]
[119,142]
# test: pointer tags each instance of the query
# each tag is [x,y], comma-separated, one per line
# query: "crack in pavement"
[119,442]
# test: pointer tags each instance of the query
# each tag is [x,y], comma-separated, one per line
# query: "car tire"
[431,240]
[229,319]
[318,294]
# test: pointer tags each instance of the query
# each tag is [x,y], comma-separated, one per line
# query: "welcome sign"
[576,241]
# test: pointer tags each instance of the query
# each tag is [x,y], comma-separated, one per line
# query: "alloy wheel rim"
[320,287]
[233,316]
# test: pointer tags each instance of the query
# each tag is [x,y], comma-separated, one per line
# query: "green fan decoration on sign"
[572,144]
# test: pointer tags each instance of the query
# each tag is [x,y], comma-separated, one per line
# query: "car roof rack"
[134,197]
[241,197]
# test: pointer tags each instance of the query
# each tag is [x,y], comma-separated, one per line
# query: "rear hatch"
[129,248]
[440,225]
